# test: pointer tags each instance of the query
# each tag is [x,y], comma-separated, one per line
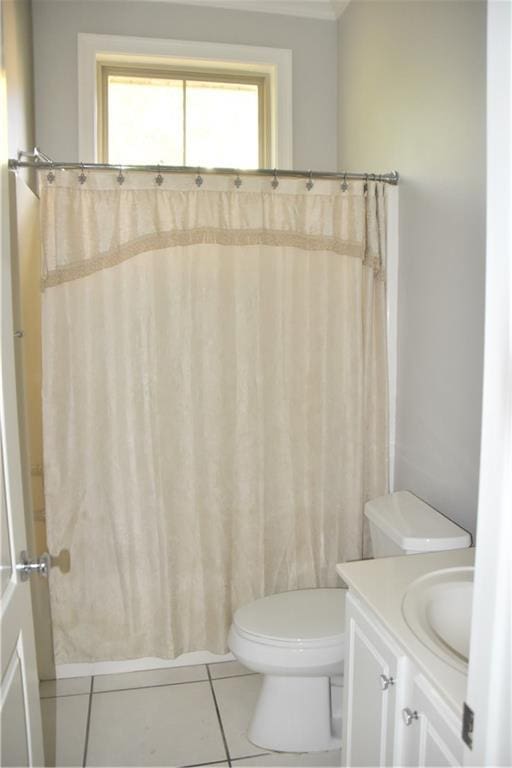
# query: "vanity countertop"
[381,584]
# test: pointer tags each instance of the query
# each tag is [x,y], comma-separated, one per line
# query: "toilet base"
[294,714]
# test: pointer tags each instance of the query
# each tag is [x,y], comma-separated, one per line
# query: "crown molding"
[325,10]
[339,6]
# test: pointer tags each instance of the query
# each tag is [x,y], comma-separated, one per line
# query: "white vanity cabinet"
[374,666]
[433,732]
[392,714]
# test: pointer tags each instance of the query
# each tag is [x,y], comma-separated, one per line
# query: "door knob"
[26,567]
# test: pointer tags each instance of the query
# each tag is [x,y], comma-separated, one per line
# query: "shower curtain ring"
[275,180]
[310,184]
[365,185]
[120,176]
[344,185]
[159,179]
[199,179]
[50,175]
[82,178]
[238,181]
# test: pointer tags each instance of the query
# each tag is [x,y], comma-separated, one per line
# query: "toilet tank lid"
[414,525]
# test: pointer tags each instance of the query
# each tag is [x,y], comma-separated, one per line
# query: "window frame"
[275,63]
[175,72]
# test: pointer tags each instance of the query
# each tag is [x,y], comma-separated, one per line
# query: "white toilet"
[296,639]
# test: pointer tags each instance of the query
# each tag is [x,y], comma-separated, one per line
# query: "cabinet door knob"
[408,715]
[386,681]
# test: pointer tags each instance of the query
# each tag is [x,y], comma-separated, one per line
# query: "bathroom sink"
[437,608]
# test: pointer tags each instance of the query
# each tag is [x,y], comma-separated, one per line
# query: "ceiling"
[328,10]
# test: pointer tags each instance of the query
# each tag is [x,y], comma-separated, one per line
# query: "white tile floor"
[186,716]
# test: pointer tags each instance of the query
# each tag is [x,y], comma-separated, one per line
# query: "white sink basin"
[437,608]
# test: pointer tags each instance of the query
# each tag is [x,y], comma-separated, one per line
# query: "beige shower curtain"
[214,399]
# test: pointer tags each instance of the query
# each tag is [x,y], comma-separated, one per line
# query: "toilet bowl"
[296,639]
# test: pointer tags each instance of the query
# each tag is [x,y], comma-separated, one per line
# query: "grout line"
[144,687]
[63,695]
[228,677]
[198,765]
[219,717]
[86,745]
[157,685]
[136,687]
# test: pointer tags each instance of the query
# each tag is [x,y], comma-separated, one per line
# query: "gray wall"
[412,97]
[314,46]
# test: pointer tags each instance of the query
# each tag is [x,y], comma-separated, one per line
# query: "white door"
[21,733]
[489,694]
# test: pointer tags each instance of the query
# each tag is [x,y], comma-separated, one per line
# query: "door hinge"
[468,719]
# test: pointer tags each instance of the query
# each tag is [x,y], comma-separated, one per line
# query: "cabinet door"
[433,736]
[371,669]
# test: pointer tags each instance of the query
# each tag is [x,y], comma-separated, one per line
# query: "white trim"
[276,62]
[490,663]
[325,10]
[392,250]
[340,6]
[138,665]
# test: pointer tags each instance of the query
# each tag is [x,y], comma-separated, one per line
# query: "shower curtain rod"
[38,159]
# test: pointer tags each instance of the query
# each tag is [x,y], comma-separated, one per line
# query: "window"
[189,117]
[193,61]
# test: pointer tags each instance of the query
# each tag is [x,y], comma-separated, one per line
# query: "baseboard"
[138,665]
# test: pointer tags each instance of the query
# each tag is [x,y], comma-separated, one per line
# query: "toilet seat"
[333,641]
[306,618]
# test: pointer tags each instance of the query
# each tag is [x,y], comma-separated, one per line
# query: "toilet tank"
[402,524]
